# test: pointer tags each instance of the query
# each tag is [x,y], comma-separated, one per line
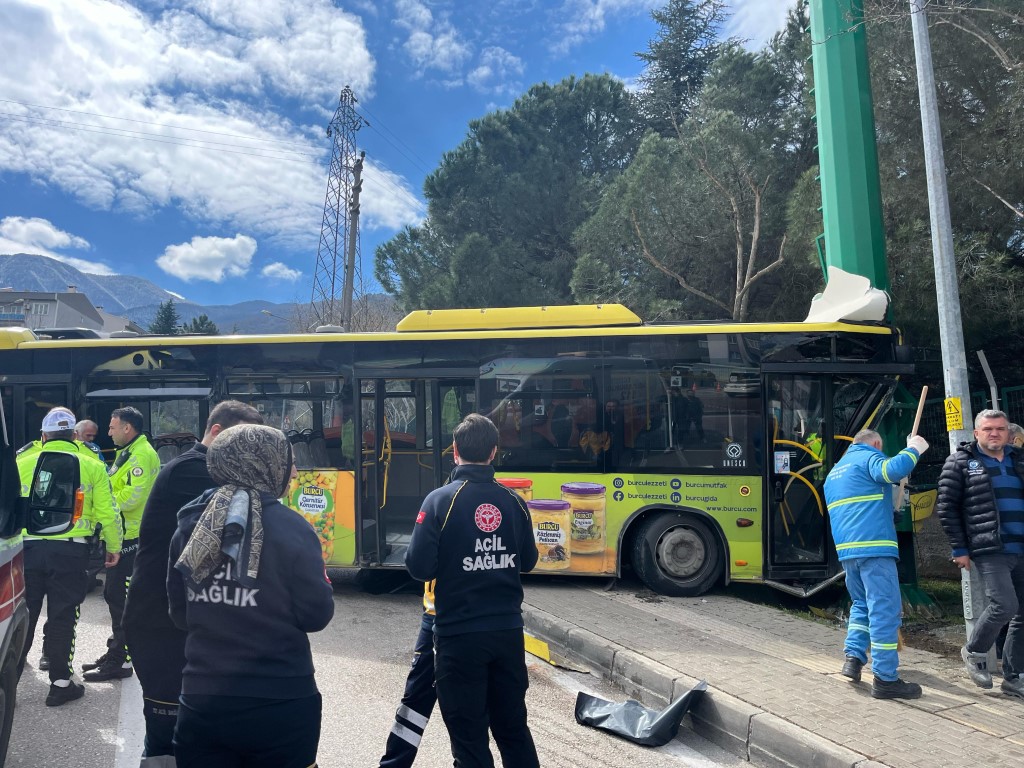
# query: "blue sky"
[183,140]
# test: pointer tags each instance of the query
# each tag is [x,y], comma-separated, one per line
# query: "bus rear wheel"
[677,554]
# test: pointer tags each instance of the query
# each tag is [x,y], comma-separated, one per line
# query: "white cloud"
[757,20]
[209,258]
[173,109]
[583,19]
[432,43]
[42,237]
[279,271]
[496,71]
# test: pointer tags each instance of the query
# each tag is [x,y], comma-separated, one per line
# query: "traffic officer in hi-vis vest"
[55,566]
[132,474]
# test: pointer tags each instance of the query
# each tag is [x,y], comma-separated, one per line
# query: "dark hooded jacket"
[247,629]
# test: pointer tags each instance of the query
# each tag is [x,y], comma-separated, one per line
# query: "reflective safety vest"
[132,475]
[98,507]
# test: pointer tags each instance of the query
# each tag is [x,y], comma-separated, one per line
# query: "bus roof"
[21,338]
[509,318]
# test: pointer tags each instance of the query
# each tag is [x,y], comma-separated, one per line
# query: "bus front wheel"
[677,554]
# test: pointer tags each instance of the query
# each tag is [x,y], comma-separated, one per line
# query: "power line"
[386,183]
[148,122]
[413,158]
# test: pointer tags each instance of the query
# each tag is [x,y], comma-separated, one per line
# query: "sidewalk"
[775,695]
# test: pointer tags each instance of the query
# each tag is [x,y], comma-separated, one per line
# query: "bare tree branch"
[1004,58]
[657,264]
[998,197]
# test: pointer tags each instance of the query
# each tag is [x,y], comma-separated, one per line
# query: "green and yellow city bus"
[692,453]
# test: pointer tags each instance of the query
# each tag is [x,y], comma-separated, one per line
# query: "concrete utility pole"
[951,332]
[353,244]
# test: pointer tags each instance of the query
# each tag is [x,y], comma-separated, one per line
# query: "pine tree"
[679,59]
[167,320]
[202,326]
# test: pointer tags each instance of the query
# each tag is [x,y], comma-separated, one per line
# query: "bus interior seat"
[300,449]
[173,444]
[318,450]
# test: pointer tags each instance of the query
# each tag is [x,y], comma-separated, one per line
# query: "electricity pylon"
[337,257]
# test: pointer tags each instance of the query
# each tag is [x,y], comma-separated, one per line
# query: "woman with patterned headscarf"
[246,580]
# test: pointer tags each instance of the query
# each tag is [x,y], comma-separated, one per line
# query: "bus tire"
[677,554]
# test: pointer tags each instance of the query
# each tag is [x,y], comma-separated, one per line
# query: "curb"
[727,721]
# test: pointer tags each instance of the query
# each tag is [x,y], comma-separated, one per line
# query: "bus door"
[407,436]
[27,402]
[799,430]
[811,421]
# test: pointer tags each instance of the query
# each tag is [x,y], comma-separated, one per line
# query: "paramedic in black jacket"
[246,579]
[157,646]
[474,537]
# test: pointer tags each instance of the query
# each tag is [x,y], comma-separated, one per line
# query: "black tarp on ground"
[632,720]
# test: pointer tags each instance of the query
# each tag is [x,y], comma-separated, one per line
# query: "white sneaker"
[977,667]
[1013,686]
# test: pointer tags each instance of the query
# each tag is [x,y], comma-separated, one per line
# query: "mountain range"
[138,299]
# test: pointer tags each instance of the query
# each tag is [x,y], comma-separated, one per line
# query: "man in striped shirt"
[981,507]
[858,492]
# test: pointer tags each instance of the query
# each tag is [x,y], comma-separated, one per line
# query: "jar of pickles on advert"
[587,504]
[552,524]
[521,486]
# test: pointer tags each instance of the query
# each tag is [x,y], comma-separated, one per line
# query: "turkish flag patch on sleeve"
[421,517]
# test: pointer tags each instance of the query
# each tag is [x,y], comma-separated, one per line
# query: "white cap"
[58,420]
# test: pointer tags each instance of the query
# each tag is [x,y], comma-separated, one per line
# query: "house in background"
[43,310]
[118,324]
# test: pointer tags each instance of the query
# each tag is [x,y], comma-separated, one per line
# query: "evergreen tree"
[167,320]
[504,204]
[202,326]
[678,60]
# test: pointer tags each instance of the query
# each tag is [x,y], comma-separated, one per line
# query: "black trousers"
[482,681]
[417,702]
[115,592]
[241,732]
[55,570]
[158,655]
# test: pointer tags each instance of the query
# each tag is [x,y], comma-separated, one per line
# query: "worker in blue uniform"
[858,492]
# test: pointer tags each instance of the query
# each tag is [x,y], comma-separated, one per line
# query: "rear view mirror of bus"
[56,497]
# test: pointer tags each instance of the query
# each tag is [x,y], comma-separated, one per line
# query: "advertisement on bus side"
[577,519]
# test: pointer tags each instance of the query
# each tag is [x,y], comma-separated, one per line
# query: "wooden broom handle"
[920,408]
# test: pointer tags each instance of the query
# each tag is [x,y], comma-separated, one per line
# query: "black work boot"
[62,695]
[95,664]
[894,689]
[44,663]
[110,669]
[852,668]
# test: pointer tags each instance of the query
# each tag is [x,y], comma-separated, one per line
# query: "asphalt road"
[361,661]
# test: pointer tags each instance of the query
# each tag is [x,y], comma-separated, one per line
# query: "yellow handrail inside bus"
[814,491]
[385,459]
[801,446]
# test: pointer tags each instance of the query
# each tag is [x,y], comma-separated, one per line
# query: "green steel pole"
[851,194]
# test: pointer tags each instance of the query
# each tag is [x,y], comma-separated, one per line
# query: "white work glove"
[918,443]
